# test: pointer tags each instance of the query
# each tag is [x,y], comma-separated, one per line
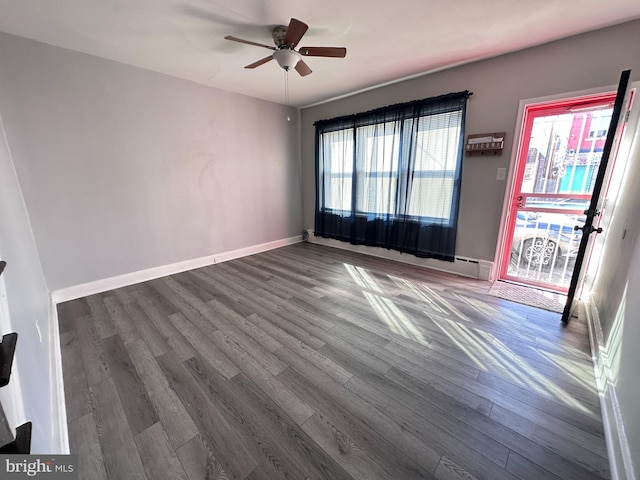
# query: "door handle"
[593,229]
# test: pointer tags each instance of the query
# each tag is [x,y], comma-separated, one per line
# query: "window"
[600,123]
[392,174]
[436,165]
[378,168]
[338,169]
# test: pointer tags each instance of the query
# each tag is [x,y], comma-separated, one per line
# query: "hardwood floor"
[308,362]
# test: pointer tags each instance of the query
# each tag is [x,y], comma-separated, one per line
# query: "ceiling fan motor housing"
[278,34]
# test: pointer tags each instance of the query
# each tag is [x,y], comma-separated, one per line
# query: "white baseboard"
[106,284]
[58,407]
[467,267]
[59,430]
[618,450]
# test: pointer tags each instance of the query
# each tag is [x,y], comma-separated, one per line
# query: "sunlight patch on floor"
[409,287]
[479,345]
[449,308]
[463,347]
[430,297]
[484,309]
[483,345]
[568,368]
[391,315]
[362,278]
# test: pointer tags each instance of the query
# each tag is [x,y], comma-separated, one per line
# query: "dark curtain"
[391,177]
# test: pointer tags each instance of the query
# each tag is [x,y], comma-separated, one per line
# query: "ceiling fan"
[286,39]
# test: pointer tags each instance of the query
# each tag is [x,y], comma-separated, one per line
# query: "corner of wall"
[26,306]
[127,279]
[59,431]
[620,460]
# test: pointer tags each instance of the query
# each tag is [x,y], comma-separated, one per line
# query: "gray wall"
[123,169]
[108,169]
[24,297]
[583,62]
[627,385]
[578,63]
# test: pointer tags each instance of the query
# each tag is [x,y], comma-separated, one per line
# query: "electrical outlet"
[501,174]
[217,258]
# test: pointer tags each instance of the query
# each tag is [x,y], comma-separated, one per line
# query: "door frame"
[515,155]
[624,100]
[623,148]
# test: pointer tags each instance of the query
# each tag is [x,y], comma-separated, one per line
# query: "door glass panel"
[544,247]
[564,152]
[560,155]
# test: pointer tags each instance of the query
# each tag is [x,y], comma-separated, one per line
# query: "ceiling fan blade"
[338,52]
[295,31]
[260,62]
[303,69]
[248,42]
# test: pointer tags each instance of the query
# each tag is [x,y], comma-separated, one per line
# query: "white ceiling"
[385,40]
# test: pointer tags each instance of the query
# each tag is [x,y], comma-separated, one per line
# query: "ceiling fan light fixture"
[286,39]
[287,58]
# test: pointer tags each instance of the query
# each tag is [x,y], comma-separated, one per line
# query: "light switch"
[501,174]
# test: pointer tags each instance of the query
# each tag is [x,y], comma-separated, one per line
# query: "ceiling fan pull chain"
[286,88]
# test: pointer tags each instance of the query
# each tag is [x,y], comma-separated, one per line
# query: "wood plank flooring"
[308,362]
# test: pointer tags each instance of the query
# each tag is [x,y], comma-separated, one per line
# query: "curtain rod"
[465,93]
